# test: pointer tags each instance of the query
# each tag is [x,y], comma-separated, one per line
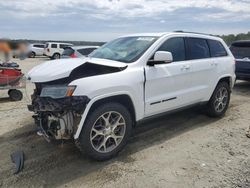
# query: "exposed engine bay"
[57,111]
[58,118]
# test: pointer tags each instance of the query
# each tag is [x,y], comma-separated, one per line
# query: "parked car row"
[55,50]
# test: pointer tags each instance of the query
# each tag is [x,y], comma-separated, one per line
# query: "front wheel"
[106,131]
[219,102]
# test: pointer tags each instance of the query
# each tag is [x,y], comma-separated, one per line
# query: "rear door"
[203,70]
[167,86]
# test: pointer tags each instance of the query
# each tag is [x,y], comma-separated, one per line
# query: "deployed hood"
[62,68]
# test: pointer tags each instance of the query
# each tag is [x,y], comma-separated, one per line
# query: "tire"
[218,105]
[32,55]
[15,95]
[56,56]
[96,145]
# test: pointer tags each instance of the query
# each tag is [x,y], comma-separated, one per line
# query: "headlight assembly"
[57,91]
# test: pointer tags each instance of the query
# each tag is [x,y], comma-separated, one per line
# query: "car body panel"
[57,69]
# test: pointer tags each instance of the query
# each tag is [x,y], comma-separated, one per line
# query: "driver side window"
[176,46]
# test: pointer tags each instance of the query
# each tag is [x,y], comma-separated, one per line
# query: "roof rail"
[180,31]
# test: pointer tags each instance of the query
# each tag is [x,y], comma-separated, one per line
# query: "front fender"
[92,101]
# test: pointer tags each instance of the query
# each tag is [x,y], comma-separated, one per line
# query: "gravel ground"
[186,149]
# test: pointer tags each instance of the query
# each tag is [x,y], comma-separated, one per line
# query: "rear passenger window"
[216,48]
[53,45]
[197,48]
[176,46]
[64,46]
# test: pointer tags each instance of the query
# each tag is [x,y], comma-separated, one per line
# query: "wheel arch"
[55,54]
[122,98]
[227,79]
[33,53]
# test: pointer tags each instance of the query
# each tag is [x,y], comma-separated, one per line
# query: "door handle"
[214,64]
[185,67]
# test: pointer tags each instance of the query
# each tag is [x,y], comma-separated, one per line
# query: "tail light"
[47,49]
[73,55]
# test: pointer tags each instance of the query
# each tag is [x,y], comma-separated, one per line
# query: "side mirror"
[161,57]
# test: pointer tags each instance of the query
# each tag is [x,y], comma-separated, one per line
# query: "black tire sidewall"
[84,139]
[32,55]
[56,54]
[211,108]
[15,95]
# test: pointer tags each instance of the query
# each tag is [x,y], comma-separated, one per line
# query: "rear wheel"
[219,102]
[105,131]
[15,95]
[56,56]
[32,55]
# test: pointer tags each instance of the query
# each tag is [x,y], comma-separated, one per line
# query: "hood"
[62,68]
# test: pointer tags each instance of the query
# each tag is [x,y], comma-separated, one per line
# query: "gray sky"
[102,20]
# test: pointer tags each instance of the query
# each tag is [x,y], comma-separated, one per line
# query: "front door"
[168,85]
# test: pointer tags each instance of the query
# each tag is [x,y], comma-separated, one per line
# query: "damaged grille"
[74,103]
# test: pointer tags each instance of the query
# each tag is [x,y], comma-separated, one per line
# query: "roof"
[191,34]
[83,47]
[59,43]
[147,34]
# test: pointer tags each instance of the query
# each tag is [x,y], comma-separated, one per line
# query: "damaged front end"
[57,109]
[57,112]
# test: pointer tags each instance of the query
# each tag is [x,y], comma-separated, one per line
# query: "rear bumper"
[242,76]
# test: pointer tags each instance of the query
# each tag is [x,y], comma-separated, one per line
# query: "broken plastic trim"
[18,158]
[48,104]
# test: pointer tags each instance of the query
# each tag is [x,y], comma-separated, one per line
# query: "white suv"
[99,99]
[54,50]
[36,50]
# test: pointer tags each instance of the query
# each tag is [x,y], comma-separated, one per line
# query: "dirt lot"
[186,149]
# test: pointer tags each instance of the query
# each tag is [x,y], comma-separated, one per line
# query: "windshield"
[127,49]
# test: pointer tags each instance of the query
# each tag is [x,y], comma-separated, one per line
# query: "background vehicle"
[98,99]
[54,50]
[36,50]
[241,51]
[12,79]
[78,51]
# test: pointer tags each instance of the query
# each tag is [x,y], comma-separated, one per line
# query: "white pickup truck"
[99,99]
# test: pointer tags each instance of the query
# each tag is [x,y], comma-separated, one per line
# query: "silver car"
[78,51]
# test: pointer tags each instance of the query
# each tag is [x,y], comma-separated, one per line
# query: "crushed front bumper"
[48,104]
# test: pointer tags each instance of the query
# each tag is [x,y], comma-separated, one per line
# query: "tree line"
[231,38]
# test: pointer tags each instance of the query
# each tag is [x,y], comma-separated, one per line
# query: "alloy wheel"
[107,132]
[221,99]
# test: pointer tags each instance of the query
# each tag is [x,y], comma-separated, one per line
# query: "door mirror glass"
[161,57]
